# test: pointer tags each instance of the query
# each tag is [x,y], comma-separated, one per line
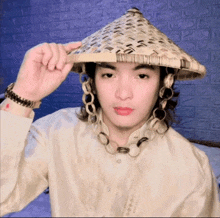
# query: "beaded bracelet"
[24,102]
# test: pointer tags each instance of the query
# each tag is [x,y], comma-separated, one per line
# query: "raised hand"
[43,70]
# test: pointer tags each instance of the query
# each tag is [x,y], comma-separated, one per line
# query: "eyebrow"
[144,66]
[140,66]
[105,65]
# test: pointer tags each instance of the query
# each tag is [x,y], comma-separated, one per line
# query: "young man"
[118,155]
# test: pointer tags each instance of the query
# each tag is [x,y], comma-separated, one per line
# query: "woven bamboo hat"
[132,38]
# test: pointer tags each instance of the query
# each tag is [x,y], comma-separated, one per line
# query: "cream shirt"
[170,177]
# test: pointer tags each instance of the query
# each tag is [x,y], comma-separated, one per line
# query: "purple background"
[192,24]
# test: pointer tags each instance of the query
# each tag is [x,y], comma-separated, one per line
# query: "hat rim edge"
[184,73]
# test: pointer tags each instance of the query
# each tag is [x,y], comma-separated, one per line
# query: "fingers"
[47,53]
[62,59]
[55,55]
[66,70]
[51,55]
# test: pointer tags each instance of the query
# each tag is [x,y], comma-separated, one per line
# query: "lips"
[123,111]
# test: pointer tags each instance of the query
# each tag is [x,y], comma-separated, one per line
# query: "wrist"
[24,94]
[9,93]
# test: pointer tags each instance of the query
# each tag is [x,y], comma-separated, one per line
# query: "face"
[127,93]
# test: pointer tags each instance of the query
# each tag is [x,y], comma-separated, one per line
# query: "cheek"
[148,91]
[104,92]
[155,94]
[103,86]
[148,97]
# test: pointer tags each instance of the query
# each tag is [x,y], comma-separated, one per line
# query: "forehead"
[125,66]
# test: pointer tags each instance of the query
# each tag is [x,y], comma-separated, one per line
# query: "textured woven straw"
[132,38]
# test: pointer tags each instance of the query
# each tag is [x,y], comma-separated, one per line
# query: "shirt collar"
[144,131]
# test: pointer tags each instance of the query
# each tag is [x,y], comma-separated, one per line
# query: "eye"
[143,76]
[107,75]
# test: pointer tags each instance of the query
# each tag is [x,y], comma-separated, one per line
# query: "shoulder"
[173,136]
[184,151]
[185,160]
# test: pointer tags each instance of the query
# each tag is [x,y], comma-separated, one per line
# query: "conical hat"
[132,38]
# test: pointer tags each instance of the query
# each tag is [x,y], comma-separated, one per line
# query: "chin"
[124,127]
[125,123]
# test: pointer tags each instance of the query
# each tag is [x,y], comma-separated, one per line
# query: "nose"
[124,89]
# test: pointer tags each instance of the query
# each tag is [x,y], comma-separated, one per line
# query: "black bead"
[141,140]
[123,150]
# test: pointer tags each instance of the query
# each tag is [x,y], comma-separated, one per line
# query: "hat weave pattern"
[132,38]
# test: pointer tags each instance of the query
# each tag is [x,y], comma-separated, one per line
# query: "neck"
[120,135]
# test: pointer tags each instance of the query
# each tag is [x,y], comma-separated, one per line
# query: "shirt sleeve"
[23,162]
[204,200]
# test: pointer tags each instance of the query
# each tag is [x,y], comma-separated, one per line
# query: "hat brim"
[186,70]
